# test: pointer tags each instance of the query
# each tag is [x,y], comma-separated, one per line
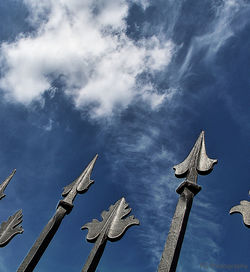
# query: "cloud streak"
[219,31]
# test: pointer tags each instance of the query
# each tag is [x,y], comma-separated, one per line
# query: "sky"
[136,82]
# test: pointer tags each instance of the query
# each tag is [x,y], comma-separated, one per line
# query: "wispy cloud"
[219,31]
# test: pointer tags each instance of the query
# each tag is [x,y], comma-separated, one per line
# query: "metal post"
[80,185]
[196,162]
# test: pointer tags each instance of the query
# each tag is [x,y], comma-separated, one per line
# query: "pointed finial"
[196,162]
[244,210]
[83,182]
[80,185]
[5,183]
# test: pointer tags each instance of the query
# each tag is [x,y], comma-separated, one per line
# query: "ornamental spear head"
[5,183]
[244,210]
[83,182]
[197,162]
[114,223]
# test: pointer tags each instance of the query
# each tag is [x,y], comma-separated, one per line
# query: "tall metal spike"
[80,185]
[197,162]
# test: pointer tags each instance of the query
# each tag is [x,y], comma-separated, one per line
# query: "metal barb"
[113,226]
[5,183]
[80,185]
[244,210]
[197,162]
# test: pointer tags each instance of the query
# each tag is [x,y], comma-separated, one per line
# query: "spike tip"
[5,184]
[83,182]
[196,162]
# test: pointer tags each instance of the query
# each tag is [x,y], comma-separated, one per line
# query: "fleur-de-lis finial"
[197,162]
[112,227]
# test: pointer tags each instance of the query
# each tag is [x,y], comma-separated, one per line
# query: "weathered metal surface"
[244,210]
[80,185]
[112,227]
[196,162]
[11,227]
[5,183]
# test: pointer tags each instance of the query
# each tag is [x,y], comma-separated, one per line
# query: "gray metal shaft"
[95,254]
[176,234]
[37,250]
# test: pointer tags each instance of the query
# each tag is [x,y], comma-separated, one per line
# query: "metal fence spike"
[64,207]
[197,162]
[113,226]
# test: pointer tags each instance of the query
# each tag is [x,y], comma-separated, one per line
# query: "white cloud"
[84,43]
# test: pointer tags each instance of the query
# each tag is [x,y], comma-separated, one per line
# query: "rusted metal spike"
[5,183]
[244,210]
[80,185]
[196,163]
[113,226]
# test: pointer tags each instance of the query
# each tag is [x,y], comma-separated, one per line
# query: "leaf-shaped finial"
[5,183]
[244,210]
[113,224]
[10,228]
[197,160]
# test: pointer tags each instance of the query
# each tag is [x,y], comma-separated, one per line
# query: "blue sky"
[134,81]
